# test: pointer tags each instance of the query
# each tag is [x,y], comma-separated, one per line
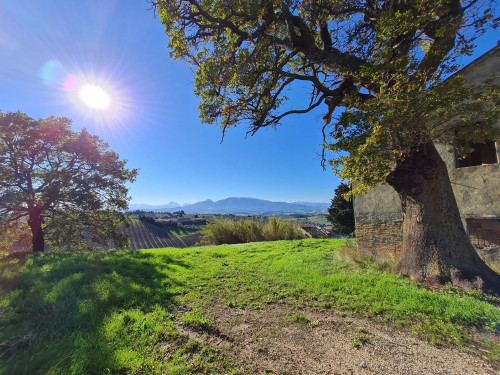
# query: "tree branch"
[276,119]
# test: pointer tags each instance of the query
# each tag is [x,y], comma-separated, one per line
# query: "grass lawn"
[118,311]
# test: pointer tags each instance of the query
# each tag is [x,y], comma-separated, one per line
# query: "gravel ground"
[284,340]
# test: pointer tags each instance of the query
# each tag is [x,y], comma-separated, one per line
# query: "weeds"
[363,259]
[440,333]
[490,350]
[197,321]
[243,231]
[361,330]
[359,341]
[297,318]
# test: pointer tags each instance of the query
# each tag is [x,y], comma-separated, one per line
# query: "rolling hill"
[147,236]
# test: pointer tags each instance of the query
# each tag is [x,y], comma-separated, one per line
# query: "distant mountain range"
[234,205]
[149,207]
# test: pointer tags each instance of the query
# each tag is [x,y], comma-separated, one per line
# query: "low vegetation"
[123,311]
[241,231]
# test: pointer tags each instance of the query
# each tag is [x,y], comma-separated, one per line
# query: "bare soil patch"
[281,339]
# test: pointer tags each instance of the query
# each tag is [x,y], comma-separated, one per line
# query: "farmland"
[151,230]
[144,235]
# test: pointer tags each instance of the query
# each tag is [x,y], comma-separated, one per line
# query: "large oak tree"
[384,63]
[67,184]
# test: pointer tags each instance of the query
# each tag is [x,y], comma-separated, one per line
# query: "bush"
[221,231]
[242,231]
[279,229]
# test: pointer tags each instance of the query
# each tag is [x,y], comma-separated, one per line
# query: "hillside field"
[306,306]
[143,235]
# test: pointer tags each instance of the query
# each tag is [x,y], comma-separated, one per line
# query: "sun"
[95,97]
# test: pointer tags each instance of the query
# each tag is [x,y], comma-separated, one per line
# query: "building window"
[482,153]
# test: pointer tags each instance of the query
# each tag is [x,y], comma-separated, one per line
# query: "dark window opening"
[482,153]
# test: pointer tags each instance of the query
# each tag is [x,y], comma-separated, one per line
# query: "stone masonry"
[382,239]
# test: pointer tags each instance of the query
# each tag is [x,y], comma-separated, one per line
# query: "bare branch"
[274,120]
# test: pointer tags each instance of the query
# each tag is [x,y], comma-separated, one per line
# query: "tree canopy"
[67,184]
[341,211]
[387,66]
[382,61]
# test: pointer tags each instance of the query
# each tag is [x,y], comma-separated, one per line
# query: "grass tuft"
[197,321]
[359,341]
[363,259]
[297,318]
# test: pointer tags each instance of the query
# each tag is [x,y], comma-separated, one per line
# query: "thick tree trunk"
[35,222]
[436,248]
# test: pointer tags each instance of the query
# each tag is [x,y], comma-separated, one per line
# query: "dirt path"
[283,340]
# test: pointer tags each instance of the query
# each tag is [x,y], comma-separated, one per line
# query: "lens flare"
[53,73]
[69,82]
[95,97]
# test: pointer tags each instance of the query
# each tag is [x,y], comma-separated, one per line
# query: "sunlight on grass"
[115,311]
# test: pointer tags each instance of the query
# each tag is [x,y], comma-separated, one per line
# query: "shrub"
[221,231]
[279,229]
[249,230]
[241,231]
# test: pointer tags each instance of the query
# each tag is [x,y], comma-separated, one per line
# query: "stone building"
[475,181]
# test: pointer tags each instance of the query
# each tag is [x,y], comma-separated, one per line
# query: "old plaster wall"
[476,189]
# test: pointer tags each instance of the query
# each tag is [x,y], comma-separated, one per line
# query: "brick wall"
[383,239]
[484,233]
[485,236]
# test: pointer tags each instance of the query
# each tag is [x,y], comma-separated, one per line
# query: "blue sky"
[50,48]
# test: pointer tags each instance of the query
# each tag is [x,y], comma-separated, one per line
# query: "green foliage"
[388,128]
[438,332]
[385,63]
[281,229]
[15,235]
[117,311]
[341,211]
[69,180]
[240,231]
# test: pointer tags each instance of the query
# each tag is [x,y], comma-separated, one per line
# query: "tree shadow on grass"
[10,264]
[80,312]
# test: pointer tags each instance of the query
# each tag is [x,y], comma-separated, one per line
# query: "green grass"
[117,312]
[297,318]
[185,230]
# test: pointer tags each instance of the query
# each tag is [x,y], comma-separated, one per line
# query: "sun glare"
[95,97]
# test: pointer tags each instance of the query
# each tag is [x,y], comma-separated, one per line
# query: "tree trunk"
[35,222]
[436,248]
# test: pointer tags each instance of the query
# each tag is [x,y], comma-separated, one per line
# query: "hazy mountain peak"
[237,205]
